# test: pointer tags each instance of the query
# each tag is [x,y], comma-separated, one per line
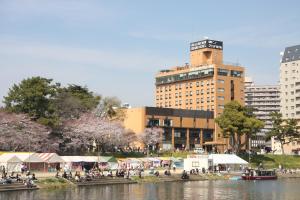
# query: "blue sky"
[116,47]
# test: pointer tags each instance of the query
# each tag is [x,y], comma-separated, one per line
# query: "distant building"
[207,83]
[289,94]
[265,99]
[290,83]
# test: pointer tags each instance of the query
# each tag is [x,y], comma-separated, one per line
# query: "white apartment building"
[290,83]
[265,99]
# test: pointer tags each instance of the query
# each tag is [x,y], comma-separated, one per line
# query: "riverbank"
[53,183]
[271,161]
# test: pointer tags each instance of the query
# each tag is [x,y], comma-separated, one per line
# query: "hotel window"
[221,106]
[186,85]
[221,97]
[161,89]
[191,101]
[186,102]
[180,102]
[202,101]
[176,103]
[170,88]
[221,81]
[166,88]
[207,83]
[202,91]
[221,90]
[177,134]
[191,85]
[197,84]
[212,90]
[201,83]
[212,107]
[197,92]
[197,100]
[157,97]
[208,99]
[191,93]
[170,97]
[166,96]
[160,97]
[179,94]
[207,92]
[176,86]
[176,95]
[179,86]
[223,72]
[212,99]
[187,93]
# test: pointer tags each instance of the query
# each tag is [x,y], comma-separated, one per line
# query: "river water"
[286,189]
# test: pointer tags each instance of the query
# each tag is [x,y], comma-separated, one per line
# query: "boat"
[259,174]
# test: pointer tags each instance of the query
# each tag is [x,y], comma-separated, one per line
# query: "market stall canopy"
[228,159]
[27,157]
[80,158]
[50,157]
[9,158]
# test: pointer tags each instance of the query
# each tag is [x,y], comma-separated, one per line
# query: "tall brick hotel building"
[189,97]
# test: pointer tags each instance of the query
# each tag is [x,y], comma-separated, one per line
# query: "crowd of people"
[27,178]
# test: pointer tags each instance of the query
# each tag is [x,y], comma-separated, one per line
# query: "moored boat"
[259,174]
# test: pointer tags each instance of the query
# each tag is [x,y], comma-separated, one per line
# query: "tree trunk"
[282,149]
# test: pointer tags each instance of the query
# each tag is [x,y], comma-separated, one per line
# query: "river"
[287,189]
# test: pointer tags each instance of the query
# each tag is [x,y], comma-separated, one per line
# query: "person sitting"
[64,175]
[33,177]
[184,175]
[167,173]
[110,174]
[77,176]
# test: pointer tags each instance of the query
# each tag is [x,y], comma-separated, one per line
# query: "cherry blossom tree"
[92,131]
[19,133]
[151,136]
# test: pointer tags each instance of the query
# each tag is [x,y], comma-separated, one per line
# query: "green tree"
[34,96]
[283,130]
[73,100]
[236,121]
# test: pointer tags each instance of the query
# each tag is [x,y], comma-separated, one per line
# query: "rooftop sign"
[213,44]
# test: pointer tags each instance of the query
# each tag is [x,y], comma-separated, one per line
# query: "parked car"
[199,150]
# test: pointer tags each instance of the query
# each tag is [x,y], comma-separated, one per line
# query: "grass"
[51,183]
[273,161]
[146,179]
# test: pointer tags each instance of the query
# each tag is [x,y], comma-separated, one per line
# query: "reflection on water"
[224,190]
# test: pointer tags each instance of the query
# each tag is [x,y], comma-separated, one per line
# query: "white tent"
[27,157]
[226,159]
[73,159]
[11,162]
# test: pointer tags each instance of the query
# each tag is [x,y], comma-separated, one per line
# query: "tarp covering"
[107,159]
[50,157]
[229,159]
